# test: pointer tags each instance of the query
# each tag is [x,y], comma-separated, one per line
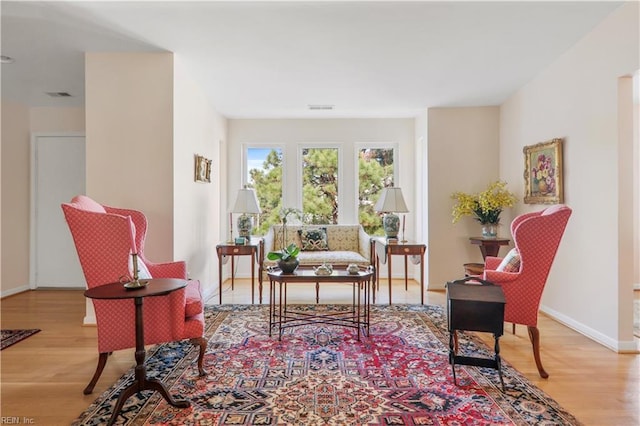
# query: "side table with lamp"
[390,202]
[246,204]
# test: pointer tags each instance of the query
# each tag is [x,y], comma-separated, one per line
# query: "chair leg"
[534,335]
[513,328]
[202,343]
[102,361]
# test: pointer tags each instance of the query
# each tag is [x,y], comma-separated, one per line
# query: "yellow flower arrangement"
[485,206]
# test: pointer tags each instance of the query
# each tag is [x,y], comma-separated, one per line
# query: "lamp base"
[391,225]
[245,225]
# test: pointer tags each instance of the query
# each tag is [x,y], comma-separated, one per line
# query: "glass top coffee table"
[356,315]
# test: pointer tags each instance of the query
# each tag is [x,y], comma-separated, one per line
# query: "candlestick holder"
[404,218]
[135,282]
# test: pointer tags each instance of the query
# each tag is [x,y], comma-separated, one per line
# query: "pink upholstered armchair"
[523,272]
[102,236]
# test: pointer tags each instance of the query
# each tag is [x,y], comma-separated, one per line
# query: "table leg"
[358,308]
[220,276]
[233,268]
[389,269]
[376,282]
[422,279]
[141,381]
[272,301]
[253,271]
[406,280]
[497,359]
[280,311]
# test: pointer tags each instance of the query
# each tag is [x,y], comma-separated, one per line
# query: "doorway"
[58,174]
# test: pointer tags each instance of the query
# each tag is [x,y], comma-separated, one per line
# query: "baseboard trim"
[13,291]
[89,320]
[618,346]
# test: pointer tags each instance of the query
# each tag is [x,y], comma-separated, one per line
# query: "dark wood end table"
[475,307]
[155,287]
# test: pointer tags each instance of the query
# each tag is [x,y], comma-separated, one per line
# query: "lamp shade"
[391,201]
[246,202]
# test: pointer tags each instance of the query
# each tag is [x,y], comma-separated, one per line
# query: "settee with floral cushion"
[338,245]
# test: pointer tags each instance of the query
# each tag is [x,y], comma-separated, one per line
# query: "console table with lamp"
[390,202]
[244,245]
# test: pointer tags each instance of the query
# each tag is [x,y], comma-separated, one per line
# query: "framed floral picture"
[543,173]
[202,169]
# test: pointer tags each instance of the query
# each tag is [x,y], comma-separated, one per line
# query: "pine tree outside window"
[264,174]
[375,171]
[320,185]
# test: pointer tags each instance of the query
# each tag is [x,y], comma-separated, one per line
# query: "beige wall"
[576,98]
[59,119]
[463,155]
[15,198]
[198,128]
[129,137]
[18,124]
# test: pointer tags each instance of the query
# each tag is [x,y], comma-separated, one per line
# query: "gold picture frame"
[202,169]
[543,173]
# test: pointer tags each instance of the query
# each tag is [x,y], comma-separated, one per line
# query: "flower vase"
[489,230]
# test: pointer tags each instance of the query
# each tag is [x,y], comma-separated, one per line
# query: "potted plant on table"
[485,206]
[287,257]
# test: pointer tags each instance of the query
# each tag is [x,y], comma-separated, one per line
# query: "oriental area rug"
[322,375]
[11,337]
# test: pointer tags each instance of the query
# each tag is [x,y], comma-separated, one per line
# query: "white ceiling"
[273,59]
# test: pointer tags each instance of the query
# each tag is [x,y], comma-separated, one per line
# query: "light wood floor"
[42,377]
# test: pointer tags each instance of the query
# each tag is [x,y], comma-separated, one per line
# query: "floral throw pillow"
[314,239]
[511,262]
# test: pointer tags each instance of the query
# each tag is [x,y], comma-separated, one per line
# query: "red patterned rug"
[321,375]
[11,337]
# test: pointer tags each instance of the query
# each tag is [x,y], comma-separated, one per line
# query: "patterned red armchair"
[102,236]
[523,272]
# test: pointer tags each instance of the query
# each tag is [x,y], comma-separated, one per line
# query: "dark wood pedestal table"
[154,287]
[488,247]
[478,306]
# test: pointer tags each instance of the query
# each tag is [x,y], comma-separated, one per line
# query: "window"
[320,185]
[375,171]
[264,174]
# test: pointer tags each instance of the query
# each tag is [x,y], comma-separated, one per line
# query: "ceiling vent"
[59,94]
[320,107]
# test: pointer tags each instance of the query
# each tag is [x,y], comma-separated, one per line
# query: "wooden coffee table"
[282,316]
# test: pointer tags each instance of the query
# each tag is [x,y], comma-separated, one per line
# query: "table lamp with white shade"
[390,202]
[247,204]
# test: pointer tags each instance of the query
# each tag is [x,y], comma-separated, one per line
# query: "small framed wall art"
[202,169]
[543,173]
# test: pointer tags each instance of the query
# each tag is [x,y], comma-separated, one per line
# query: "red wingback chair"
[537,237]
[102,236]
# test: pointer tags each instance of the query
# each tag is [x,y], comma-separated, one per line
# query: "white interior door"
[59,175]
